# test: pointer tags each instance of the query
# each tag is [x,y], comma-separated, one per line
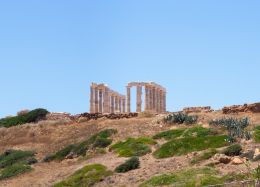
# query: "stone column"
[154,101]
[100,101]
[157,100]
[164,101]
[150,99]
[161,101]
[123,104]
[92,102]
[146,98]
[120,104]
[106,100]
[116,104]
[112,100]
[128,99]
[96,99]
[139,99]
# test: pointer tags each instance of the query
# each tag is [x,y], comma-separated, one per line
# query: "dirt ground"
[48,137]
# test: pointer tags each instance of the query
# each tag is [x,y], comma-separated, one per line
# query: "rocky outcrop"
[254,108]
[96,116]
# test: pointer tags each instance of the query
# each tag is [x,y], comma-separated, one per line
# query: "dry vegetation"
[49,136]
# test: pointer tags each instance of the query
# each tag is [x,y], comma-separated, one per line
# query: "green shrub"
[99,140]
[32,116]
[87,176]
[257,136]
[233,150]
[170,134]
[130,164]
[14,170]
[192,178]
[102,142]
[15,162]
[185,132]
[204,156]
[183,146]
[199,132]
[235,127]
[13,156]
[133,147]
[180,118]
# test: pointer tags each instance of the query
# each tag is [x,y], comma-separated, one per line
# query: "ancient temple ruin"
[105,100]
[155,97]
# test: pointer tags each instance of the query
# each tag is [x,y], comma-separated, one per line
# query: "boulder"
[249,155]
[257,152]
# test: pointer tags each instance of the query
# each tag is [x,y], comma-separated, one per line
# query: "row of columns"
[105,100]
[155,97]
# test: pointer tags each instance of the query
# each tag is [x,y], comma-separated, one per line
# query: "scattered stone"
[221,158]
[257,152]
[237,161]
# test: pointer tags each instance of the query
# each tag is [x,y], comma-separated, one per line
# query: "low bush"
[183,146]
[133,147]
[204,156]
[30,117]
[99,140]
[186,132]
[87,176]
[192,177]
[233,150]
[257,135]
[14,170]
[13,156]
[180,118]
[130,164]
[170,134]
[15,162]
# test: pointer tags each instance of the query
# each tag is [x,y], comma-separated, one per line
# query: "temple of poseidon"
[105,100]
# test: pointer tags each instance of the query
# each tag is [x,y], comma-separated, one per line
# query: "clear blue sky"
[205,52]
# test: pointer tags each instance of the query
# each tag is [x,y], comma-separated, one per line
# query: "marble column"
[106,100]
[116,104]
[100,101]
[128,99]
[92,102]
[146,98]
[123,104]
[112,101]
[139,99]
[161,101]
[157,100]
[164,101]
[150,99]
[154,101]
[96,99]
[120,104]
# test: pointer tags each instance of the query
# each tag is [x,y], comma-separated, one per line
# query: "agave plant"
[235,127]
[180,118]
